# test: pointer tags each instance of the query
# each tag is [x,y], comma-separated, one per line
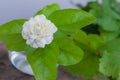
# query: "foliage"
[81,50]
[90,44]
[105,58]
[109,63]
[61,51]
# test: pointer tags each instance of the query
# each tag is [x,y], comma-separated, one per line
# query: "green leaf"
[95,42]
[108,36]
[116,6]
[69,21]
[90,44]
[110,61]
[12,27]
[44,61]
[106,15]
[49,9]
[81,37]
[69,53]
[10,34]
[13,42]
[106,5]
[88,67]
[91,5]
[108,23]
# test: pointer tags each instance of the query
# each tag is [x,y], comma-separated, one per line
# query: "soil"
[8,72]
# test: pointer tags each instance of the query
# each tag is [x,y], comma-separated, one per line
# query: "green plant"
[62,50]
[101,44]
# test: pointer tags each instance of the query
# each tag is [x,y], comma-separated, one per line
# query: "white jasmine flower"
[38,31]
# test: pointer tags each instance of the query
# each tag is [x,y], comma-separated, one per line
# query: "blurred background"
[15,9]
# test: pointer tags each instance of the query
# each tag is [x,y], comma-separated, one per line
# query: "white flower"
[38,31]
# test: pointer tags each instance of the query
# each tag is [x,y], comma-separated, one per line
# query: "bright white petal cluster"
[38,31]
